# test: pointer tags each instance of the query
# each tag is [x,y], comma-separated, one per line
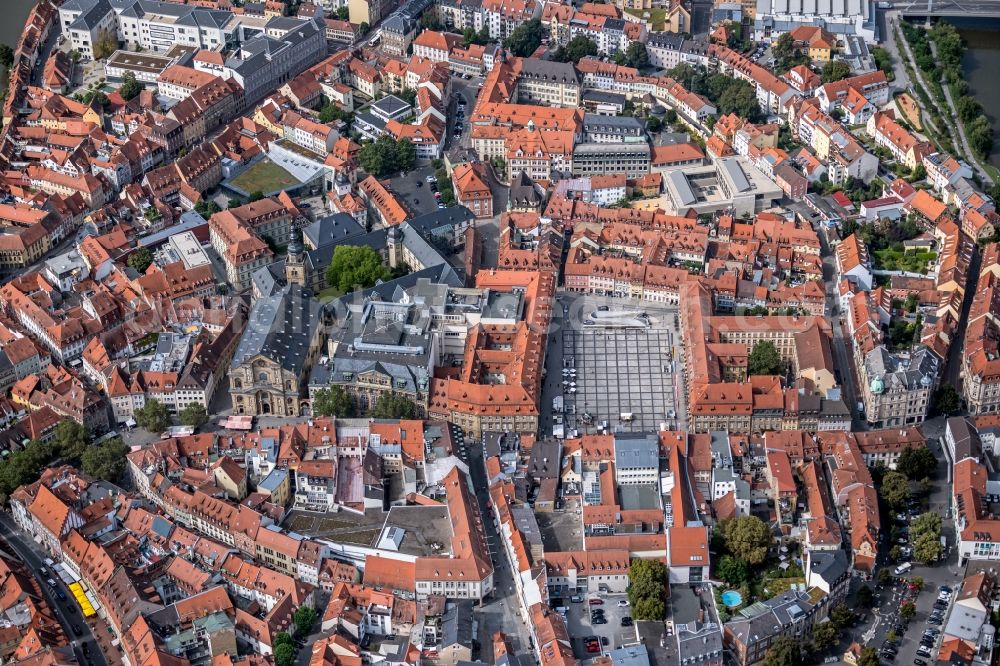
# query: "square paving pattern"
[620,371]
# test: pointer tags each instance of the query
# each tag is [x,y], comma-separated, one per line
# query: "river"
[15,13]
[980,66]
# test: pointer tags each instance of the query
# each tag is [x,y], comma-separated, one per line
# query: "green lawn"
[896,260]
[266,177]
[657,15]
[328,294]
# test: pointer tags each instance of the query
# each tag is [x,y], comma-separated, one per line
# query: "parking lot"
[580,625]
[561,529]
[413,190]
[620,372]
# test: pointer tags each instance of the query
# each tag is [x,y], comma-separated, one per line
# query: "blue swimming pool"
[732,598]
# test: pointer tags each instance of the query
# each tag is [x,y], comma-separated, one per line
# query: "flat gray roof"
[682,187]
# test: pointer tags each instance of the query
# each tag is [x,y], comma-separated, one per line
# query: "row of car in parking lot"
[927,646]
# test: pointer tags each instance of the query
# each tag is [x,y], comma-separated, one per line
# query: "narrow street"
[33,556]
[953,367]
[502,611]
[841,350]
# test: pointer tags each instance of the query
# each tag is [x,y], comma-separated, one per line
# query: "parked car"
[599,620]
[576,599]
[622,603]
[77,631]
[595,602]
[919,662]
[627,621]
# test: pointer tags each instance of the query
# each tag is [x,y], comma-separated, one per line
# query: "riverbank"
[936,57]
[980,65]
[16,13]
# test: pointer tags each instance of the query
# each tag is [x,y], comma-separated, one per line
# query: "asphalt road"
[33,556]
[502,611]
[841,343]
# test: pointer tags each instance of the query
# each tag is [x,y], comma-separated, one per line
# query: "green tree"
[980,136]
[105,45]
[647,581]
[333,401]
[153,416]
[684,73]
[926,523]
[194,415]
[140,259]
[354,266]
[907,610]
[283,638]
[895,489]
[131,86]
[284,655]
[405,155]
[387,156]
[470,36]
[786,651]
[408,95]
[6,56]
[648,608]
[364,28]
[525,38]
[732,570]
[739,97]
[865,597]
[747,537]
[654,124]
[765,360]
[105,460]
[968,108]
[895,553]
[835,70]
[917,582]
[869,657]
[911,303]
[304,619]
[670,116]
[331,112]
[946,400]
[884,576]
[71,439]
[392,405]
[841,616]
[429,20]
[783,48]
[825,635]
[927,543]
[576,49]
[343,14]
[637,56]
[916,463]
[256,195]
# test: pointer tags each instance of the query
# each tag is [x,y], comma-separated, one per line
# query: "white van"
[902,568]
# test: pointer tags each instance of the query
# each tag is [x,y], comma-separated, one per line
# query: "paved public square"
[622,371]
